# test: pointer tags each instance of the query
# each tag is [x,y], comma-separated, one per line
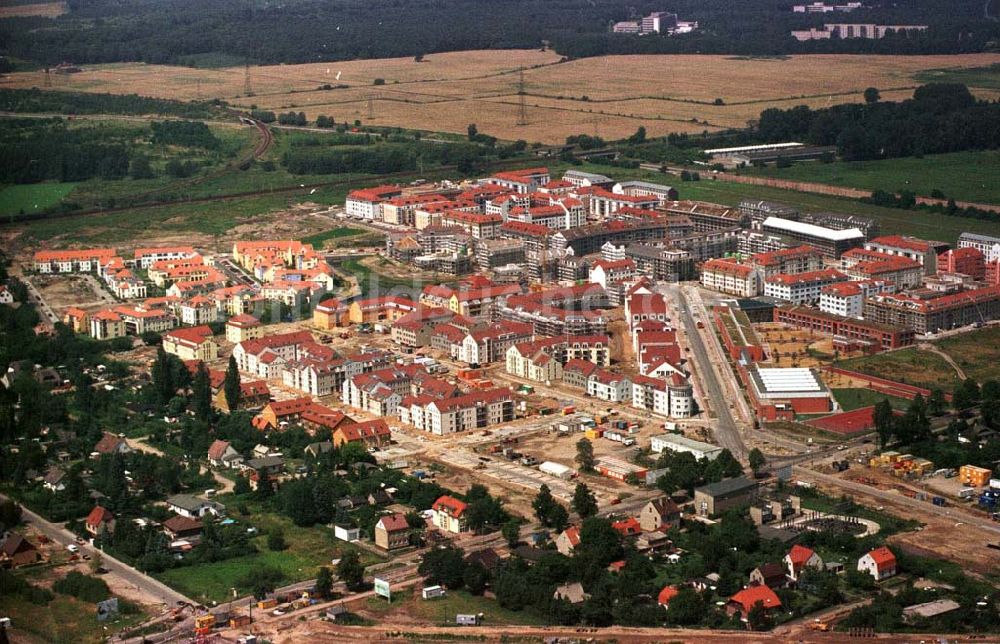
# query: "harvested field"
[448,91]
[41,9]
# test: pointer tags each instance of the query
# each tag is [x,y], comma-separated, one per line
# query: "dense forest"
[941,117]
[193,32]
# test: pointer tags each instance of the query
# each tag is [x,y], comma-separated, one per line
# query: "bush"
[83,587]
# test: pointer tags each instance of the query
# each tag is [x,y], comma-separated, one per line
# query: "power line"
[247,87]
[371,107]
[522,108]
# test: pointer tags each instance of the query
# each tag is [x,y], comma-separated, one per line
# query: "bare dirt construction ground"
[791,347]
[62,291]
[448,91]
[945,538]
[42,9]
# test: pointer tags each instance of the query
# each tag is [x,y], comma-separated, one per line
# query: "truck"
[430,592]
[967,493]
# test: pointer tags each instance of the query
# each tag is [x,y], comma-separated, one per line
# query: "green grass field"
[910,366]
[64,619]
[373,283]
[308,549]
[851,398]
[441,611]
[984,77]
[964,176]
[320,239]
[30,198]
[976,352]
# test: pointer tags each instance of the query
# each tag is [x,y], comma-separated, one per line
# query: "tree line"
[99,31]
[62,102]
[941,117]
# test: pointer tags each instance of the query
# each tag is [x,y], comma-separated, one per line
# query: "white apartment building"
[803,288]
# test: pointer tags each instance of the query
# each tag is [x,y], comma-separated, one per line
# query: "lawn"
[850,398]
[308,549]
[441,611]
[976,352]
[320,240]
[373,283]
[64,619]
[30,198]
[964,176]
[910,366]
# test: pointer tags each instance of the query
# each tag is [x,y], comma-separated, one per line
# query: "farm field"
[976,352]
[27,10]
[983,77]
[910,366]
[31,198]
[963,176]
[448,91]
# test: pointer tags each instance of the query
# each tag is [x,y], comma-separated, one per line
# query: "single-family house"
[99,519]
[392,532]
[572,592]
[880,563]
[567,540]
[660,513]
[112,444]
[193,507]
[222,454]
[770,574]
[17,551]
[449,514]
[799,558]
[743,602]
[182,527]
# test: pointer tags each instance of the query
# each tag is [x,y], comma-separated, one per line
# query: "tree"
[231,385]
[444,566]
[201,395]
[475,578]
[585,455]
[872,95]
[758,618]
[639,136]
[261,580]
[966,394]
[96,562]
[324,582]
[686,608]
[350,570]
[884,420]
[599,540]
[935,402]
[584,501]
[511,532]
[140,168]
[542,504]
[473,131]
[276,539]
[558,518]
[757,460]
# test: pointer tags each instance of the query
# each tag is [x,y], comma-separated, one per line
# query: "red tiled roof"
[394,522]
[98,516]
[727,266]
[883,557]
[217,449]
[450,506]
[799,555]
[668,593]
[748,598]
[905,243]
[370,429]
[810,276]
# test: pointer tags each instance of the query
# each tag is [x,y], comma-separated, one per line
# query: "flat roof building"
[829,241]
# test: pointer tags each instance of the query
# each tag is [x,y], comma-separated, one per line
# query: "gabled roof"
[179,523]
[572,534]
[109,443]
[98,516]
[668,593]
[377,428]
[217,449]
[394,522]
[800,555]
[883,557]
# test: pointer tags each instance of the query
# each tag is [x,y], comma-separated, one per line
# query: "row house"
[672,396]
[732,277]
[367,203]
[788,261]
[192,343]
[921,251]
[291,294]
[234,300]
[935,313]
[576,372]
[72,261]
[803,288]
[164,273]
[125,285]
[157,271]
[254,394]
[372,434]
[485,346]
[642,306]
[707,217]
[432,214]
[146,257]
[279,414]
[189,288]
[503,203]
[242,327]
[845,330]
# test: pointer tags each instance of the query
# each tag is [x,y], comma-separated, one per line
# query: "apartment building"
[609,386]
[730,276]
[803,288]
[472,411]
[790,261]
[919,250]
[932,312]
[146,257]
[831,242]
[193,343]
[72,261]
[485,346]
[988,245]
[367,203]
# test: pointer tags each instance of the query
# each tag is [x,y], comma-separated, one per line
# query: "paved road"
[147,584]
[726,433]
